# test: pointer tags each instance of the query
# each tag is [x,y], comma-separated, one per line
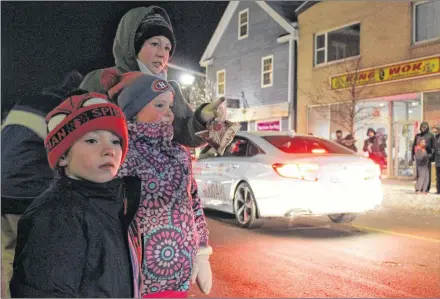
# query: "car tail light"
[302,171]
[319,151]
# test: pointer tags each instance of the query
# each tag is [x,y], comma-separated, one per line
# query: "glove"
[219,135]
[214,111]
[202,270]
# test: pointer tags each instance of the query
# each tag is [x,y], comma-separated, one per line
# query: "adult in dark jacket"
[145,42]
[437,156]
[25,172]
[429,138]
[349,142]
[71,240]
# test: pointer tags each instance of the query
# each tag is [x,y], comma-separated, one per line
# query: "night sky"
[41,41]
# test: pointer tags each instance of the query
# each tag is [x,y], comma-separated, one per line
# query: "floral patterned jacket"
[169,225]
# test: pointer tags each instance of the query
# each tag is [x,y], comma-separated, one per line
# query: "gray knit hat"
[142,91]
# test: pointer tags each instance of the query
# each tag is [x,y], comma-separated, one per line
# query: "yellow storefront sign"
[404,70]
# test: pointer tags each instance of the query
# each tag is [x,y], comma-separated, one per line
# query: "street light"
[187,79]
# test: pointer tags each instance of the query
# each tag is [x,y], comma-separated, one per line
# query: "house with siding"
[250,60]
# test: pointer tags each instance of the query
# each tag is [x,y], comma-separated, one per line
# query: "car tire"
[342,218]
[245,209]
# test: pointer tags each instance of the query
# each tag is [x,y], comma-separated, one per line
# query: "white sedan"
[276,174]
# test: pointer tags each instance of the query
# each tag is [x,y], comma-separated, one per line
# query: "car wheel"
[342,218]
[245,209]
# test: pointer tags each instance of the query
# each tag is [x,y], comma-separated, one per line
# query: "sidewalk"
[401,194]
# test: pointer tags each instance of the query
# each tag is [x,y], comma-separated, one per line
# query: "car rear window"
[306,145]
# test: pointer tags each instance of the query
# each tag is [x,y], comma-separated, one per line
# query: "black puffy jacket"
[71,243]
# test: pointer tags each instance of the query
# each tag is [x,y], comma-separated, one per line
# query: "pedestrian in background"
[338,137]
[429,138]
[422,158]
[349,142]
[436,158]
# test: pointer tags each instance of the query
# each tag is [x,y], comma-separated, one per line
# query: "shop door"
[404,133]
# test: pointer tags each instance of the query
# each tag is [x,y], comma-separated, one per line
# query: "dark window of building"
[232,103]
[426,21]
[338,44]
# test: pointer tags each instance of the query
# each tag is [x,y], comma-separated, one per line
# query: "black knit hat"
[371,130]
[155,23]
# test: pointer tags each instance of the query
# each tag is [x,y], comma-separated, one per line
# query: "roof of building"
[286,9]
[304,6]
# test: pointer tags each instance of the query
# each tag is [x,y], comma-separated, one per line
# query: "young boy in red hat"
[71,242]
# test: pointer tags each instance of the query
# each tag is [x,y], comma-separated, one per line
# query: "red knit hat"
[114,81]
[78,115]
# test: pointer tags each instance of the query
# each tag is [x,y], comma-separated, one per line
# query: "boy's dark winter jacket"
[71,243]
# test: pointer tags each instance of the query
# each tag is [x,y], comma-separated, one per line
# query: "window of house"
[426,21]
[267,71]
[232,103]
[221,82]
[337,44]
[243,24]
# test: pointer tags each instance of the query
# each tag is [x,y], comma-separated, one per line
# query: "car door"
[236,166]
[218,175]
[207,177]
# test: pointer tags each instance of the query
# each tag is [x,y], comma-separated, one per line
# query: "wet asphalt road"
[386,253]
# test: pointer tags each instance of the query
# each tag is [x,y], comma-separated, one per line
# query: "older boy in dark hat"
[145,42]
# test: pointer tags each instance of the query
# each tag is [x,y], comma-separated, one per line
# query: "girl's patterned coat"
[169,226]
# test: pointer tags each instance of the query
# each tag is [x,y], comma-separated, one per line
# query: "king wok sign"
[400,71]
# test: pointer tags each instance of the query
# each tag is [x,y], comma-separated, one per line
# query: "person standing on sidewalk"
[349,142]
[429,138]
[375,149]
[422,158]
[436,131]
[338,137]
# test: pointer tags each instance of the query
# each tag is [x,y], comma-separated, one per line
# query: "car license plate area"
[345,176]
